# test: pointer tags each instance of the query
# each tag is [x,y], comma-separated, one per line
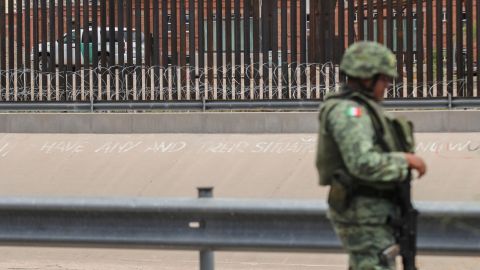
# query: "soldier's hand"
[415,162]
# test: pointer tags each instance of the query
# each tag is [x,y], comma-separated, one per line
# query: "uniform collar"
[346,91]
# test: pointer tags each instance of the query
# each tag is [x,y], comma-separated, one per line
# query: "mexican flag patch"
[354,111]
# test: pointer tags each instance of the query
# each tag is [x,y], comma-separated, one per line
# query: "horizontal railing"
[212,105]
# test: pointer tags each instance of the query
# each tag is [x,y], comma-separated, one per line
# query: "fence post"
[206,255]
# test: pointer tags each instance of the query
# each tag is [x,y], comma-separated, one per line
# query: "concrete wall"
[264,122]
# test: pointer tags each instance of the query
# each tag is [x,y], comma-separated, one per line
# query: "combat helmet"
[365,59]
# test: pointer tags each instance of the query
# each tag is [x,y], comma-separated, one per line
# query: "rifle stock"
[407,231]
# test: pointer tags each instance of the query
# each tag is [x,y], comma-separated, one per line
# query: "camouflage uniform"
[362,227]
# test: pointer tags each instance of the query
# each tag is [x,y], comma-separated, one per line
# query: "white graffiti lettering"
[164,147]
[111,147]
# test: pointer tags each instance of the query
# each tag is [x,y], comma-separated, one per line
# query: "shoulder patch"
[354,111]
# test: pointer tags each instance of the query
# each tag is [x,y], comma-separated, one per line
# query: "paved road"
[113,259]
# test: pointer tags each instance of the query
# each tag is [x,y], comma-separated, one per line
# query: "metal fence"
[77,50]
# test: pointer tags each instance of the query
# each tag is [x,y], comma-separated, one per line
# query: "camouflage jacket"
[351,127]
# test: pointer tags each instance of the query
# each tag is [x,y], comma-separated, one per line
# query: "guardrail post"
[206,255]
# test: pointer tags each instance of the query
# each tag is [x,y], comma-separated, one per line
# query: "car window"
[117,36]
[86,37]
[134,37]
[72,38]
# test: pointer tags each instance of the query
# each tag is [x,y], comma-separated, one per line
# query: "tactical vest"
[391,135]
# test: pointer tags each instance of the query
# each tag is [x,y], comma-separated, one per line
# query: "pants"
[365,243]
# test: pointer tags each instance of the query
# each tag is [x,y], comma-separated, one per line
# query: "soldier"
[359,157]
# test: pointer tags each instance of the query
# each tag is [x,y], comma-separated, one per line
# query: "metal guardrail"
[212,224]
[211,105]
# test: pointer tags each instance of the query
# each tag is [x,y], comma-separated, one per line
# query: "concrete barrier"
[214,122]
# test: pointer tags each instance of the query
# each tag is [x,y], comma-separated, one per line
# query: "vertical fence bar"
[51,35]
[156,46]
[459,50]
[137,78]
[3,51]
[303,43]
[370,32]
[409,51]
[477,72]
[95,54]
[147,32]
[120,44]
[420,48]
[266,20]
[77,48]
[11,35]
[228,47]
[273,82]
[331,36]
[201,47]
[11,50]
[380,21]
[165,37]
[439,47]
[69,40]
[351,21]
[148,47]
[469,45]
[218,46]
[284,55]
[20,67]
[174,47]
[61,52]
[450,59]
[341,35]
[390,32]
[399,49]
[429,47]
[28,47]
[317,34]
[183,49]
[191,40]
[111,56]
[360,20]
[87,49]
[104,58]
[210,65]
[103,47]
[256,47]
[237,45]
[293,45]
[44,32]
[247,8]
[111,36]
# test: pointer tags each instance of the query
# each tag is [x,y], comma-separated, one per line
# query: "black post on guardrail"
[206,255]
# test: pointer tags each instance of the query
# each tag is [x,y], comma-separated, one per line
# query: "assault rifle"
[407,225]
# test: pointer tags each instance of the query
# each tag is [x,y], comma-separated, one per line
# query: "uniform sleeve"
[352,129]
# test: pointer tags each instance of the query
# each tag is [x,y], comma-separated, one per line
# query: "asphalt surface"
[15,258]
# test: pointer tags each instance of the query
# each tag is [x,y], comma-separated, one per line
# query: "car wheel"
[99,63]
[41,66]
